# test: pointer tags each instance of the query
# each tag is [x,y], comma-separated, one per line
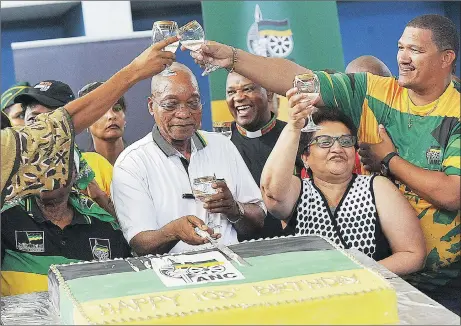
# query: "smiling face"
[421,64]
[334,162]
[111,126]
[247,102]
[175,105]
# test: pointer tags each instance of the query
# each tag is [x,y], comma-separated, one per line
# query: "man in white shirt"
[151,185]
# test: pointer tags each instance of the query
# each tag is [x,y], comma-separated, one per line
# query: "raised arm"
[274,74]
[279,187]
[401,227]
[85,110]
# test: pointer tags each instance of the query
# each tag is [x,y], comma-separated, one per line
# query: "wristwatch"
[385,163]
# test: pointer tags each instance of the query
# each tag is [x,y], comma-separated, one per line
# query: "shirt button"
[63,242]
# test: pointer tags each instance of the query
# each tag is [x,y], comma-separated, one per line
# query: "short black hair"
[322,115]
[444,33]
[92,86]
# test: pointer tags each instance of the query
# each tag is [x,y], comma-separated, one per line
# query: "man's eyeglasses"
[172,105]
[325,141]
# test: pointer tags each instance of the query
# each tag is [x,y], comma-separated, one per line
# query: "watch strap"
[388,157]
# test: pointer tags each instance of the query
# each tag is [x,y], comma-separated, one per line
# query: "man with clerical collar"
[254,133]
[152,185]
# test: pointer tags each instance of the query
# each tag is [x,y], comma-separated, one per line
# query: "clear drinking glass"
[308,84]
[224,128]
[161,30]
[192,36]
[202,189]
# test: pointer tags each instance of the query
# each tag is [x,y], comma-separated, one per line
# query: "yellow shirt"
[102,170]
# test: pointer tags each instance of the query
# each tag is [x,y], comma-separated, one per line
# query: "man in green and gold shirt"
[412,122]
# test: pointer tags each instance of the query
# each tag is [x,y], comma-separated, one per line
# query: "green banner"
[306,32]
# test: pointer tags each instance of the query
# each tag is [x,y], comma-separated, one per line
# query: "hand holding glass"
[192,37]
[202,189]
[308,84]
[161,30]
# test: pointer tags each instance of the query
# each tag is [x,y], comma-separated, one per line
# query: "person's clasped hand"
[222,202]
[371,155]
[299,108]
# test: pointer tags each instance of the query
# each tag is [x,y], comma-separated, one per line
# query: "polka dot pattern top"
[354,221]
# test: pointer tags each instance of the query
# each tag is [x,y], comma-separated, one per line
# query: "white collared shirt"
[149,181]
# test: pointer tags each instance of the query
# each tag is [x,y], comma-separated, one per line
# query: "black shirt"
[255,152]
[26,230]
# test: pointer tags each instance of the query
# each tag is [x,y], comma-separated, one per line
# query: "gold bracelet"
[234,60]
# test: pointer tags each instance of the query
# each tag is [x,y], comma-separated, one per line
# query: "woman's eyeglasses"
[325,141]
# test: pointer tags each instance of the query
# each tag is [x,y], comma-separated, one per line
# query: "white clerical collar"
[258,133]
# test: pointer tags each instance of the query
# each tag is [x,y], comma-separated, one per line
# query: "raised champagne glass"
[192,37]
[202,189]
[308,84]
[161,30]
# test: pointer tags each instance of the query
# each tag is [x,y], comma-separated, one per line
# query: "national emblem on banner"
[270,38]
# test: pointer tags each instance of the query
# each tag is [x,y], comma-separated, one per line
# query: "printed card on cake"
[195,269]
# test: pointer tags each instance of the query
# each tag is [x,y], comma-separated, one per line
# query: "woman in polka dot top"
[354,211]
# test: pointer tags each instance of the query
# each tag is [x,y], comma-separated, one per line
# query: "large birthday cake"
[293,280]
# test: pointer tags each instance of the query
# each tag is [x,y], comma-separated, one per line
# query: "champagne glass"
[202,189]
[192,37]
[310,85]
[161,30]
[223,128]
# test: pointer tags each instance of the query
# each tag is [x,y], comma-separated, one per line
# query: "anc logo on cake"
[202,270]
[193,269]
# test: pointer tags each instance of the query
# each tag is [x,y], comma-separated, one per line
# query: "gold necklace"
[410,122]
